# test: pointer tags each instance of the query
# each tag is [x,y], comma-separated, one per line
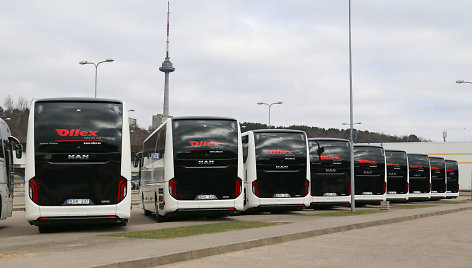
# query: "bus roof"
[281,130]
[395,150]
[71,99]
[416,154]
[327,139]
[437,157]
[202,118]
[368,145]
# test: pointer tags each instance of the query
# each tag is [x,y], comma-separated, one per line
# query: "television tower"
[166,68]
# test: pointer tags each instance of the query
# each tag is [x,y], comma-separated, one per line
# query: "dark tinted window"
[368,156]
[419,165]
[276,146]
[452,169]
[68,127]
[329,152]
[396,163]
[197,139]
[438,166]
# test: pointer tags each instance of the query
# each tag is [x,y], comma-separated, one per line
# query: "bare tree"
[9,103]
[22,104]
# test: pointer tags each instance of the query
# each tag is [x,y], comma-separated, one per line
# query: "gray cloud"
[231,54]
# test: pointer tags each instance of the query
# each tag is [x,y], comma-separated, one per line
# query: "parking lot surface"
[21,245]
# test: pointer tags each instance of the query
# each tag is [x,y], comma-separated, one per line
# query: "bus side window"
[245,140]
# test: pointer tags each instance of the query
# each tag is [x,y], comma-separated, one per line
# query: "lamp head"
[279,102]
[83,62]
[460,81]
[109,60]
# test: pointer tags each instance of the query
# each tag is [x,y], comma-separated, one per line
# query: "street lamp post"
[269,105]
[351,120]
[96,69]
[465,82]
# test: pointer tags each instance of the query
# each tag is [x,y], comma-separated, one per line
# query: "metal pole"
[96,70]
[269,115]
[353,193]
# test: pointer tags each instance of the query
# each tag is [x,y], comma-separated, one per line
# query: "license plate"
[78,201]
[206,197]
[417,192]
[330,194]
[391,192]
[281,195]
[434,192]
[367,193]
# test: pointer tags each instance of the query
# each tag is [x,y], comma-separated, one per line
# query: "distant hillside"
[361,137]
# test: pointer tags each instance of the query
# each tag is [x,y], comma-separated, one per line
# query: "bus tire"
[159,218]
[43,229]
[146,212]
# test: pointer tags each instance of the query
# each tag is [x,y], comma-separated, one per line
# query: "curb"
[200,253]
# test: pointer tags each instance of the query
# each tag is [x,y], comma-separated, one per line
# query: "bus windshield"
[419,165]
[368,157]
[396,163]
[78,127]
[280,147]
[330,153]
[437,167]
[205,139]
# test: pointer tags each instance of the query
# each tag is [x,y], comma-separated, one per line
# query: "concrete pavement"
[90,250]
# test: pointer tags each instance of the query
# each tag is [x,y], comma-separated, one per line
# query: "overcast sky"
[229,55]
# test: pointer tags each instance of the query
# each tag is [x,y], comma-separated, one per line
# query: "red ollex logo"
[329,157]
[204,143]
[434,168]
[416,166]
[367,161]
[280,152]
[393,165]
[449,170]
[76,132]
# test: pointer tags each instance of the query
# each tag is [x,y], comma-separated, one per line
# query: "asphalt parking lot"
[21,245]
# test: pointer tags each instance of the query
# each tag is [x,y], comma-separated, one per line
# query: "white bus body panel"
[253,201]
[331,199]
[397,197]
[450,194]
[122,210]
[150,192]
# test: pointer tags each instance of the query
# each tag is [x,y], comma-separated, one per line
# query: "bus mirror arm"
[320,150]
[18,147]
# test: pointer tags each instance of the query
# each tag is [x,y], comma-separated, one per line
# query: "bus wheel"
[159,218]
[44,229]
[146,212]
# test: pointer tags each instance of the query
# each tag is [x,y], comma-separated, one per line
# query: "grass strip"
[449,202]
[169,233]
[343,213]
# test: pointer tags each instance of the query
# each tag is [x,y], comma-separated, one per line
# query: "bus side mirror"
[17,145]
[137,159]
[320,150]
[19,151]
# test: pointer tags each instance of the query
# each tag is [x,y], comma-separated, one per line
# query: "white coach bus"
[277,170]
[438,177]
[8,145]
[420,177]
[330,161]
[397,175]
[192,165]
[452,171]
[370,174]
[78,162]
